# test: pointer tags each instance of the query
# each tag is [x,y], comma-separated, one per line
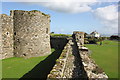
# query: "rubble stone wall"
[58,42]
[69,64]
[61,69]
[24,34]
[0,37]
[6,36]
[75,62]
[79,37]
[31,33]
[93,71]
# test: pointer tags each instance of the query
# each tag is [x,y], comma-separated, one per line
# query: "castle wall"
[6,36]
[58,42]
[31,33]
[75,62]
[0,37]
[69,63]
[92,70]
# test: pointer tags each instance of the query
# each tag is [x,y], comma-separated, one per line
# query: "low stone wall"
[92,69]
[75,62]
[69,64]
[59,68]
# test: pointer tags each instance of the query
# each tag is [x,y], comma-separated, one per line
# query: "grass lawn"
[64,35]
[106,56]
[16,67]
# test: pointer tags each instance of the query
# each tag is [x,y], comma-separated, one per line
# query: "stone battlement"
[32,13]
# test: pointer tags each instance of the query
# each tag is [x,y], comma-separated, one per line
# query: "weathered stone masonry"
[92,70]
[31,33]
[25,34]
[75,62]
[58,42]
[6,36]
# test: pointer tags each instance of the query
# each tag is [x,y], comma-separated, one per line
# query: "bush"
[92,40]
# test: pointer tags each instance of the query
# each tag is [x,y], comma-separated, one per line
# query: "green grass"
[16,67]
[106,56]
[65,35]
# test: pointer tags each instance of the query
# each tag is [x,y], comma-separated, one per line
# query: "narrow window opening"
[14,33]
[47,30]
[7,33]
[35,35]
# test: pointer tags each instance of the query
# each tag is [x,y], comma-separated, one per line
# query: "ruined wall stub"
[6,36]
[79,36]
[31,33]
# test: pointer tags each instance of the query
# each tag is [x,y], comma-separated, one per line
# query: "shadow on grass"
[42,69]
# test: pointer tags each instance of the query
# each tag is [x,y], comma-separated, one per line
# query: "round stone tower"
[31,33]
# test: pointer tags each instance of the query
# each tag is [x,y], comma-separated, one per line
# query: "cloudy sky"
[68,15]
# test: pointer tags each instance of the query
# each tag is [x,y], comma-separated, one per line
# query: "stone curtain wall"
[6,36]
[58,42]
[31,33]
[0,37]
[75,62]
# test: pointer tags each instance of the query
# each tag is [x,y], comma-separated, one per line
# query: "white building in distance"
[95,34]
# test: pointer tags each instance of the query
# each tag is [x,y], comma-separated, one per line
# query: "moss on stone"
[35,11]
[44,14]
[98,70]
